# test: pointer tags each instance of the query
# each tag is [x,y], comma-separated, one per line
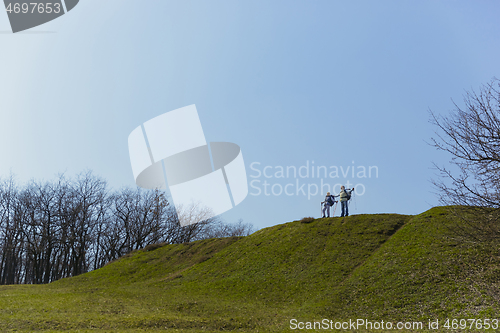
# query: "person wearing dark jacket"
[329,201]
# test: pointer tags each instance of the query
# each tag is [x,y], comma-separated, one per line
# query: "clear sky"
[330,83]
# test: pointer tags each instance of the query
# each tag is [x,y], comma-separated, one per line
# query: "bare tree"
[220,229]
[195,220]
[11,238]
[471,134]
[138,218]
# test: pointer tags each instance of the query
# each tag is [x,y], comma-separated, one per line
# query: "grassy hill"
[375,267]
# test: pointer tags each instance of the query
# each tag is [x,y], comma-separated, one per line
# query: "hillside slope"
[379,267]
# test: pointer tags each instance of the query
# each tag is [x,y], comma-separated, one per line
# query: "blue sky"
[291,82]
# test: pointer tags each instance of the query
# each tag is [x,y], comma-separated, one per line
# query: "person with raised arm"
[345,196]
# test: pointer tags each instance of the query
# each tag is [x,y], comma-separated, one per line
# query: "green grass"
[376,267]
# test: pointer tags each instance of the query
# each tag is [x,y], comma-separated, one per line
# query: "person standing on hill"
[344,195]
[329,201]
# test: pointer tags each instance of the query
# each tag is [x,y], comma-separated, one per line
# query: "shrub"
[307,219]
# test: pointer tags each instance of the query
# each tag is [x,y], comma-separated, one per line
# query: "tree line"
[55,229]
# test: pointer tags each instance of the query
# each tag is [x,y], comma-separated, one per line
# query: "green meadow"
[389,267]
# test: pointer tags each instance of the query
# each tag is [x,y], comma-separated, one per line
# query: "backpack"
[330,200]
[347,195]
